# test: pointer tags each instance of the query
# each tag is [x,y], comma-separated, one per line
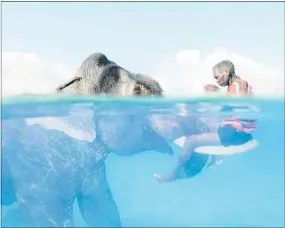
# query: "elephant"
[46,170]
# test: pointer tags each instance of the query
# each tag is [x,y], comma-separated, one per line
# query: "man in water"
[224,74]
[231,132]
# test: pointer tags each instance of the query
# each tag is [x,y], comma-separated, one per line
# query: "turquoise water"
[247,189]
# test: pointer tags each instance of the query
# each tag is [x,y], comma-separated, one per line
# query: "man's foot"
[163,178]
[215,162]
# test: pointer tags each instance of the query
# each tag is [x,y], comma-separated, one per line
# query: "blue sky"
[137,34]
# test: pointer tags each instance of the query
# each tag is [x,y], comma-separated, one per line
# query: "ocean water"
[247,189]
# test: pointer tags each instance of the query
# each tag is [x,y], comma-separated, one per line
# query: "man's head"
[223,72]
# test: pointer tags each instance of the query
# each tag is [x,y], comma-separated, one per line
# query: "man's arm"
[211,88]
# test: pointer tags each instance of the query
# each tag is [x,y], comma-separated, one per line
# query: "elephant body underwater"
[50,169]
[46,170]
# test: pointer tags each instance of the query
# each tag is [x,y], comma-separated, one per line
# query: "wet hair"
[226,64]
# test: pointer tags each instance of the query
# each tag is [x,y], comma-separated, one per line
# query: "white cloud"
[183,75]
[27,73]
[190,70]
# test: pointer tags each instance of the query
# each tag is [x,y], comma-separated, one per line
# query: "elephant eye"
[141,90]
[137,90]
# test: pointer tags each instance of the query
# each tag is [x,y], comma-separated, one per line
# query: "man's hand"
[211,88]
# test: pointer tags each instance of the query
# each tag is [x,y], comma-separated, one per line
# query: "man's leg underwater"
[227,138]
[205,139]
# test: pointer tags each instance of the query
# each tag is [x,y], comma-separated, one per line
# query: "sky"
[177,43]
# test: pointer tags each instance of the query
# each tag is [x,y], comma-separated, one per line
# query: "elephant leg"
[8,196]
[96,202]
[45,210]
[45,198]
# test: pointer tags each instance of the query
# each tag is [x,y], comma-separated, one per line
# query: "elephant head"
[99,75]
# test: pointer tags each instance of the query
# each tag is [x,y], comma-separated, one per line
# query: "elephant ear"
[68,85]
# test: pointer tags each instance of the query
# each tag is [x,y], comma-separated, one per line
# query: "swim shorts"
[230,136]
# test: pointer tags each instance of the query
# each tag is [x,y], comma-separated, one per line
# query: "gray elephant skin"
[46,170]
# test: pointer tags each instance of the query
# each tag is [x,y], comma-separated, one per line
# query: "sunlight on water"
[40,162]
